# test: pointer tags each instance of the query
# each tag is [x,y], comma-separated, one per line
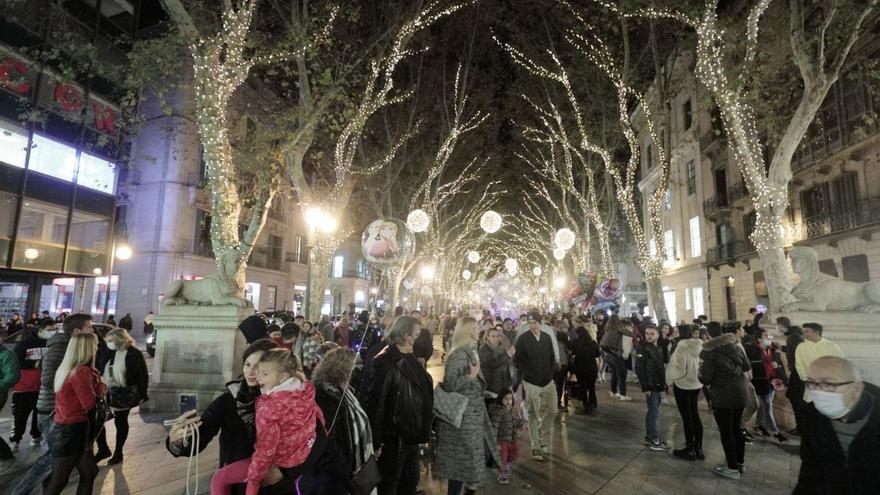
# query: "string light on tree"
[418,220]
[564,238]
[490,222]
[536,271]
[559,254]
[466,274]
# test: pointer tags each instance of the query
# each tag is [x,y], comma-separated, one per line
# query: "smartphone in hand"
[188,402]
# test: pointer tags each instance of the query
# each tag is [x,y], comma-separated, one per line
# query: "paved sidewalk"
[600,454]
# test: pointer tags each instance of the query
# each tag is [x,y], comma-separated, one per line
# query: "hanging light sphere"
[564,238]
[408,283]
[123,252]
[511,264]
[490,222]
[31,253]
[512,271]
[559,254]
[418,220]
[473,256]
[536,271]
[466,274]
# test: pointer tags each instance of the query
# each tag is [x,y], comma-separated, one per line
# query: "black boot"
[686,453]
[102,454]
[116,459]
[698,453]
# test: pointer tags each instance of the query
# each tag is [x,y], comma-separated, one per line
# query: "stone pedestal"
[198,350]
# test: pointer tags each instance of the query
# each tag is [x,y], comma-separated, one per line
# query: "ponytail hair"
[286,360]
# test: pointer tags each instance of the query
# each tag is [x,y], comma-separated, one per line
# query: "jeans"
[24,406]
[765,412]
[653,414]
[732,438]
[688,407]
[399,466]
[618,372]
[454,487]
[42,467]
[539,431]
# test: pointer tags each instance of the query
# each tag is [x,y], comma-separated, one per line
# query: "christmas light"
[418,220]
[536,271]
[473,256]
[466,274]
[490,222]
[511,264]
[564,238]
[559,254]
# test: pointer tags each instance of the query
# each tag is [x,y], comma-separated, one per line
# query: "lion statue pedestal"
[198,350]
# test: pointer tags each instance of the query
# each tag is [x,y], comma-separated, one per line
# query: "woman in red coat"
[78,386]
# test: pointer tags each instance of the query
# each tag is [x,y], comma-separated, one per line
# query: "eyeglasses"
[825,386]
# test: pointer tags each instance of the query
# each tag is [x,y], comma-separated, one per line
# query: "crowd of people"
[346,405]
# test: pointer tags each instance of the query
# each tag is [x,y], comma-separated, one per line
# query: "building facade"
[711,266]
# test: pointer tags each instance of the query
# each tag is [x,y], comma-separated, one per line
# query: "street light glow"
[559,282]
[123,252]
[427,272]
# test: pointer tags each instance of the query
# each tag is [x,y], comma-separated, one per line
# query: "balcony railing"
[715,205]
[860,214]
[737,192]
[709,139]
[729,251]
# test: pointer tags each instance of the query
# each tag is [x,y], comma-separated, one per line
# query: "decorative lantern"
[511,264]
[564,239]
[418,220]
[536,271]
[473,256]
[490,222]
[559,254]
[466,274]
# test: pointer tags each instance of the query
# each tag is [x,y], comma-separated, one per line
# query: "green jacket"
[9,372]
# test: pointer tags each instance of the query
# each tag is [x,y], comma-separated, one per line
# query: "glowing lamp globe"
[559,254]
[536,271]
[511,264]
[512,271]
[473,256]
[564,239]
[123,252]
[466,274]
[31,253]
[418,220]
[490,222]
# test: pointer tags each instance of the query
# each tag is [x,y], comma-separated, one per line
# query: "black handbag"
[123,397]
[366,478]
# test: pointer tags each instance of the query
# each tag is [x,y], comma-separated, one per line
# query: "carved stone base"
[198,350]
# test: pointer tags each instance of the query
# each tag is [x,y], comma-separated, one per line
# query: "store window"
[252,294]
[42,231]
[271,295]
[671,310]
[96,173]
[100,299]
[687,299]
[667,200]
[53,158]
[13,145]
[58,297]
[669,246]
[87,248]
[360,299]
[698,301]
[327,304]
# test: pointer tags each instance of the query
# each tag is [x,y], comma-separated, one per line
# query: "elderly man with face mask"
[840,431]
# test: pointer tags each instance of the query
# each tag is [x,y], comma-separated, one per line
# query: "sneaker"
[760,430]
[698,453]
[658,446]
[780,437]
[647,441]
[625,398]
[750,440]
[544,450]
[665,401]
[537,455]
[726,472]
[614,395]
[36,442]
[502,479]
[14,446]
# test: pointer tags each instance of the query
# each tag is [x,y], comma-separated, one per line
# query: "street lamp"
[123,252]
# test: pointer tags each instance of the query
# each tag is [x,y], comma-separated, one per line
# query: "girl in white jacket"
[683,373]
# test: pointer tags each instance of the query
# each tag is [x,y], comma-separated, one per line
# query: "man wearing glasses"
[840,437]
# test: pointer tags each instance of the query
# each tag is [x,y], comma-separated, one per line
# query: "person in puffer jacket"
[724,367]
[684,375]
[24,395]
[286,415]
[652,378]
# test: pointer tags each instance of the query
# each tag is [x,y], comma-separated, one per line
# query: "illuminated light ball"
[564,239]
[512,271]
[536,271]
[408,284]
[490,222]
[418,220]
[559,254]
[559,282]
[473,256]
[542,290]
[123,252]
[427,272]
[466,274]
[97,271]
[511,264]
[31,253]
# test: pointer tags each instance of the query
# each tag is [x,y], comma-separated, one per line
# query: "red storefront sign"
[12,71]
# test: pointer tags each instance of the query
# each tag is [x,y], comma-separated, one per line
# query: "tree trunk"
[319,271]
[656,300]
[769,239]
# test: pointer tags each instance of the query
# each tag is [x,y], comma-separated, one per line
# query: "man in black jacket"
[652,378]
[840,431]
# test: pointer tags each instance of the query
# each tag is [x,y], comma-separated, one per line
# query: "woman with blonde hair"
[126,375]
[77,388]
[461,450]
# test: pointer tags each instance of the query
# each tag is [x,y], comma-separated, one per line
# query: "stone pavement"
[601,454]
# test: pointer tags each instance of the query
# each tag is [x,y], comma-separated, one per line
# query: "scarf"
[360,442]
[245,405]
[114,370]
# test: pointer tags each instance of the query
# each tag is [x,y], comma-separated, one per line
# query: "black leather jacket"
[400,400]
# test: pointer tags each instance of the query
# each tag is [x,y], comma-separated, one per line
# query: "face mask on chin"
[830,404]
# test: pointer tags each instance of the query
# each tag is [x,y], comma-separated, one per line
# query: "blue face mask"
[830,404]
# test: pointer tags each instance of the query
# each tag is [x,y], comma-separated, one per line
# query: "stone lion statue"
[818,291]
[209,291]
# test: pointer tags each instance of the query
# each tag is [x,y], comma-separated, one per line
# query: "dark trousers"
[618,372]
[587,383]
[399,466]
[61,469]
[560,378]
[120,420]
[24,405]
[688,407]
[5,451]
[732,438]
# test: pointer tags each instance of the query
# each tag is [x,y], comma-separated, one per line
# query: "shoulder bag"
[449,406]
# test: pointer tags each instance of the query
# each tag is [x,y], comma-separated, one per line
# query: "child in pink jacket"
[285,418]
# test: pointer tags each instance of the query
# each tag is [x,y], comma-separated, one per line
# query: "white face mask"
[830,404]
[45,334]
[111,346]
[767,342]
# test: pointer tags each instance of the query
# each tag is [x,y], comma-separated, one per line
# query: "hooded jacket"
[286,419]
[723,370]
[55,350]
[9,372]
[684,365]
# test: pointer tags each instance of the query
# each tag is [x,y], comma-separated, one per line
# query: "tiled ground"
[600,454]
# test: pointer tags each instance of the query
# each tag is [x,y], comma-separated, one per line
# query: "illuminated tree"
[821,38]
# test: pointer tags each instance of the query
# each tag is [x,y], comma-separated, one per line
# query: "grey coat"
[461,452]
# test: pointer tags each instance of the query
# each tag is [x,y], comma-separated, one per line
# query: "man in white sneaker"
[537,363]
